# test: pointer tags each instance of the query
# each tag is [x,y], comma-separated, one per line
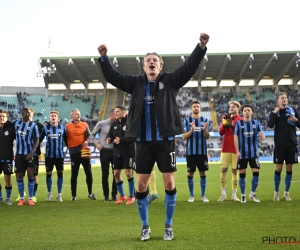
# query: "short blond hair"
[54,112]
[5,112]
[235,103]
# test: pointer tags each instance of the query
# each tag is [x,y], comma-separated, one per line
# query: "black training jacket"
[284,133]
[126,145]
[166,89]
[7,136]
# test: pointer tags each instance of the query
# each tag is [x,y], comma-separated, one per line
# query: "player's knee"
[117,175]
[169,184]
[202,173]
[190,174]
[289,167]
[142,186]
[30,173]
[128,175]
[20,175]
[278,167]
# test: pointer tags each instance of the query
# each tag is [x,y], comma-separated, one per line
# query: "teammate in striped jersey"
[56,135]
[27,140]
[36,161]
[246,134]
[196,134]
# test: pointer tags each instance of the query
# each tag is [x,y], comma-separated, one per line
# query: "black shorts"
[287,154]
[36,165]
[199,161]
[21,164]
[253,162]
[121,162]
[161,152]
[51,162]
[6,167]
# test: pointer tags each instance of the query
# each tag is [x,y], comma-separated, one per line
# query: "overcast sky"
[76,28]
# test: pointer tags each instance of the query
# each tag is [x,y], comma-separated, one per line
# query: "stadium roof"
[216,67]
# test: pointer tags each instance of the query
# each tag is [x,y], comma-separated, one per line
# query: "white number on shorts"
[173,159]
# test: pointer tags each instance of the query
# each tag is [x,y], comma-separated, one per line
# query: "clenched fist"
[102,49]
[204,38]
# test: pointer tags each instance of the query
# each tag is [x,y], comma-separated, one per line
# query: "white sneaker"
[49,197]
[276,196]
[204,199]
[145,234]
[243,199]
[254,198]
[191,199]
[234,198]
[59,198]
[286,196]
[223,197]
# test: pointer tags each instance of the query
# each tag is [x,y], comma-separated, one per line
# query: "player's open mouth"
[152,67]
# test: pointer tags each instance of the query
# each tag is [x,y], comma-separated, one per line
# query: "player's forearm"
[206,134]
[187,134]
[272,120]
[35,145]
[222,130]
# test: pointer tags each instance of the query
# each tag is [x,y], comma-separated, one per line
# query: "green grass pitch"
[88,224]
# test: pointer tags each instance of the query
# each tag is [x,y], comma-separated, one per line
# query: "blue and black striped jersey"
[148,129]
[26,134]
[247,133]
[55,140]
[196,143]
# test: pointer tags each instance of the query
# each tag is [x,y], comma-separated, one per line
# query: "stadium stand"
[214,98]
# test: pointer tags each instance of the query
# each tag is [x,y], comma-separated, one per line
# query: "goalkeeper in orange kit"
[228,153]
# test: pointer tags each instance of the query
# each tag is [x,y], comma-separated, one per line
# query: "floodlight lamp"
[297,60]
[115,62]
[275,58]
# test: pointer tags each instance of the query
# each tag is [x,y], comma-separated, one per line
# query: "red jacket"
[228,141]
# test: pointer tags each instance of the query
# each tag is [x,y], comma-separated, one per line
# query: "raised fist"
[204,38]
[102,49]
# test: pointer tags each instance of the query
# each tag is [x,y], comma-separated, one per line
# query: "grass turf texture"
[89,224]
